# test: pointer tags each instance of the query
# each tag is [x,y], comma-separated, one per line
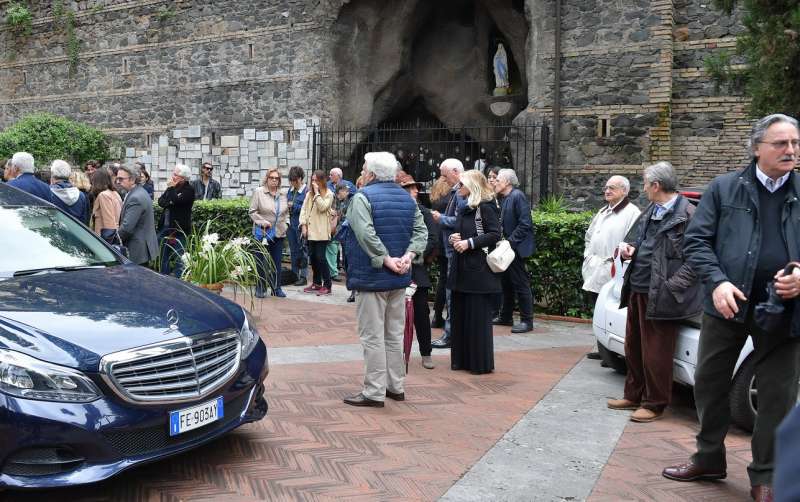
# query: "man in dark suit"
[515,218]
[744,232]
[19,173]
[137,227]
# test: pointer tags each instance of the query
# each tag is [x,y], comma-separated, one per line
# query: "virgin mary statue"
[500,68]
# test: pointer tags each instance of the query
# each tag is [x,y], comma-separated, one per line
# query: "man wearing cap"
[384,233]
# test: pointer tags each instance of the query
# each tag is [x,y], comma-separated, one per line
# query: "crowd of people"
[719,259]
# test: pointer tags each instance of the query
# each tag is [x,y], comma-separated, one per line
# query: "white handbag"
[502,256]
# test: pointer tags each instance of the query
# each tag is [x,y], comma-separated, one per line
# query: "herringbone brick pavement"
[313,447]
[633,473]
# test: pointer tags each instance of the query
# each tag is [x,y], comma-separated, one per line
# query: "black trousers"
[517,286]
[440,302]
[422,320]
[319,264]
[777,362]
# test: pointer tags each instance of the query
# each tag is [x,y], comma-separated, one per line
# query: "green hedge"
[556,265]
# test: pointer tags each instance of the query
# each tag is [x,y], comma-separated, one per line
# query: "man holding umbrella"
[383,233]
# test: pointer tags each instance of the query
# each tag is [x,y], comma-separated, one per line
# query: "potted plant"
[210,262]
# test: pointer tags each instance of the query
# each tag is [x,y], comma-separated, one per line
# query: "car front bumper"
[47,444]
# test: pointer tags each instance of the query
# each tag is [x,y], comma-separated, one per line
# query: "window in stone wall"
[125,70]
[250,51]
[603,127]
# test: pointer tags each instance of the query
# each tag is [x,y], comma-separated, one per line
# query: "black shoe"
[260,293]
[336,279]
[352,297]
[522,327]
[498,321]
[441,343]
[437,322]
[360,400]
[593,355]
[301,282]
[397,396]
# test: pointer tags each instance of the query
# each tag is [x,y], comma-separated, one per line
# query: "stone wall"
[633,86]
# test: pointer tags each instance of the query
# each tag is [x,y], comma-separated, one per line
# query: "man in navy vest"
[20,174]
[386,232]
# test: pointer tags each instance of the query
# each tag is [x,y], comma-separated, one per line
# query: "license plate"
[197,416]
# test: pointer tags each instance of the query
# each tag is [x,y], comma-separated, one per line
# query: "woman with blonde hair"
[477,230]
[268,210]
[315,226]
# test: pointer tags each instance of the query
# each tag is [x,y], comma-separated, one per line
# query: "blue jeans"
[275,249]
[298,251]
[170,252]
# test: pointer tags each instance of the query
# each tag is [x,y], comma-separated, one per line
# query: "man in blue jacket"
[20,172]
[515,219]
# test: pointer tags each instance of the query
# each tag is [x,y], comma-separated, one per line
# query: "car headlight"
[248,334]
[29,378]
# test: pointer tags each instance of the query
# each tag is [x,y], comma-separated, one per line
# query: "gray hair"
[23,161]
[132,172]
[382,164]
[454,164]
[664,174]
[183,171]
[626,185]
[760,129]
[337,172]
[509,175]
[60,170]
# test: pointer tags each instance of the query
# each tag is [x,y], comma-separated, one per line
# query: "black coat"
[177,203]
[419,272]
[674,291]
[469,272]
[724,238]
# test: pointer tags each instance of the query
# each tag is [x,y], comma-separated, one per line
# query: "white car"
[609,324]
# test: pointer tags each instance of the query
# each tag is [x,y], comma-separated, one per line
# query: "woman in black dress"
[472,282]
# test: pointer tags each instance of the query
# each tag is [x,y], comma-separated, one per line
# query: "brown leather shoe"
[643,415]
[360,400]
[622,404]
[397,396]
[762,493]
[692,472]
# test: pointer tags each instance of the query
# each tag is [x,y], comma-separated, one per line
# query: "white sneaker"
[427,362]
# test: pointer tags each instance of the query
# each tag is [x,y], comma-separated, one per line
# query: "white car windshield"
[41,239]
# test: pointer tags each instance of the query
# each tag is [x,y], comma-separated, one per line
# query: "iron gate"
[421,147]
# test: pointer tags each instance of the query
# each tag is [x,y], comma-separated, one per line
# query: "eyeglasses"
[782,145]
[208,168]
[274,178]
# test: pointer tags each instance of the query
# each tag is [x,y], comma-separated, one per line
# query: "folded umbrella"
[769,314]
[408,332]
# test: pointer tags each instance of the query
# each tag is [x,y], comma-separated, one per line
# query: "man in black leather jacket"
[744,232]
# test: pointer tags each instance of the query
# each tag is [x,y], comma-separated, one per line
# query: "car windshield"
[39,239]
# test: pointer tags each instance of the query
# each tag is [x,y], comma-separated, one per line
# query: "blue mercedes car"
[105,364]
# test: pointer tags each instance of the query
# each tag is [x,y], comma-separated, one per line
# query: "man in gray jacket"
[137,227]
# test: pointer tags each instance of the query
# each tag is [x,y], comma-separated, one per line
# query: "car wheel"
[612,360]
[744,396]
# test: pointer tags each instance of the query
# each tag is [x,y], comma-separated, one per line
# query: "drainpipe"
[557,100]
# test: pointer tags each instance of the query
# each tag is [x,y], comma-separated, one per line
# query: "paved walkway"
[535,429]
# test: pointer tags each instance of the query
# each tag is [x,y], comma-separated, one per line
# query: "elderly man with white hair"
[608,228]
[450,170]
[384,233]
[176,220]
[335,177]
[66,196]
[517,226]
[20,171]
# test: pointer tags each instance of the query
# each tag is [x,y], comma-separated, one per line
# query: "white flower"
[210,239]
[236,272]
[240,241]
[186,258]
